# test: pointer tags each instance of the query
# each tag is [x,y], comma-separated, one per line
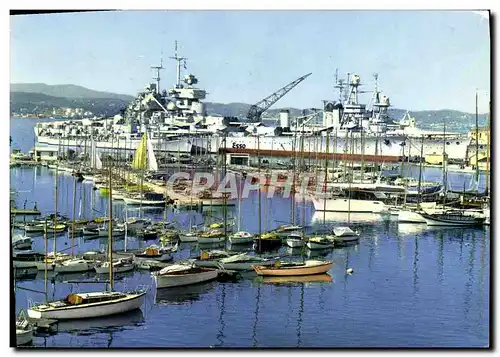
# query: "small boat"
[344,232]
[51,260]
[26,259]
[241,237]
[169,236]
[183,274]
[134,224]
[147,233]
[286,229]
[212,236]
[157,253]
[452,218]
[341,240]
[73,266]
[187,237]
[267,241]
[120,266]
[244,261]
[308,267]
[59,228]
[143,200]
[294,240]
[24,330]
[211,259]
[116,232]
[408,216]
[91,230]
[319,243]
[88,305]
[20,242]
[34,227]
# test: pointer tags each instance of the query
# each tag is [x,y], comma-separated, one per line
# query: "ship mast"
[179,60]
[157,78]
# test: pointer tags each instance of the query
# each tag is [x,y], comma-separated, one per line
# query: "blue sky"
[425,59]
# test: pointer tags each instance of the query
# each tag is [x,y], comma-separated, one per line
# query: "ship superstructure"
[176,121]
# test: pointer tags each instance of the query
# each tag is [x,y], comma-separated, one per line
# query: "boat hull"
[120,269]
[294,243]
[315,245]
[437,220]
[208,240]
[293,271]
[169,281]
[24,337]
[128,303]
[354,206]
[188,238]
[406,216]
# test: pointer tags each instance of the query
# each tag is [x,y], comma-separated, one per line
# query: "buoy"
[350,271]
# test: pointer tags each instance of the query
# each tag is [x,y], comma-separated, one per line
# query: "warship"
[176,121]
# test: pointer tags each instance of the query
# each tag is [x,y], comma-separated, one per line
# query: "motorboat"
[73,266]
[318,242]
[211,258]
[308,267]
[20,242]
[344,232]
[119,266]
[294,240]
[452,218]
[286,229]
[156,253]
[187,237]
[26,259]
[24,330]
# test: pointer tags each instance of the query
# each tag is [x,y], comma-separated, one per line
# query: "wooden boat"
[87,305]
[24,330]
[244,261]
[241,237]
[319,243]
[309,267]
[344,232]
[212,236]
[55,229]
[34,227]
[119,266]
[452,218]
[181,275]
[156,253]
[267,241]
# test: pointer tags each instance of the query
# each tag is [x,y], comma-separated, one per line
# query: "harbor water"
[412,285]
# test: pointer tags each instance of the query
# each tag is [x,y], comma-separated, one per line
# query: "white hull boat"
[294,242]
[344,232]
[118,267]
[407,216]
[452,218]
[21,242]
[34,228]
[189,237]
[319,243]
[244,261]
[24,330]
[73,266]
[209,240]
[104,232]
[241,238]
[88,305]
[355,206]
[143,202]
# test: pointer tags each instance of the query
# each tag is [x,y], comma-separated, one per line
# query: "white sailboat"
[92,304]
[183,274]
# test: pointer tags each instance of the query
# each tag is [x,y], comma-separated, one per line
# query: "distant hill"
[66,91]
[37,97]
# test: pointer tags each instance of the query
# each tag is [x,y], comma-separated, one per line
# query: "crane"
[260,107]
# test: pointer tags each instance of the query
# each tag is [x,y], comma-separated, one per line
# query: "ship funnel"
[285,118]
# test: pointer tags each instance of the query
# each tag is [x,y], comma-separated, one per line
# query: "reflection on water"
[295,280]
[183,294]
[411,228]
[110,323]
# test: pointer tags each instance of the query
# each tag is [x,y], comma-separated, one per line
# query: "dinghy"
[244,261]
[319,243]
[24,330]
[241,237]
[182,274]
[120,266]
[344,232]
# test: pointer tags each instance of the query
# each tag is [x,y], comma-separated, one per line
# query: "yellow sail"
[139,161]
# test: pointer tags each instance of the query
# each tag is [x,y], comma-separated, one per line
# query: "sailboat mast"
[419,197]
[488,153]
[55,214]
[224,158]
[325,182]
[260,203]
[445,179]
[74,218]
[477,145]
[110,232]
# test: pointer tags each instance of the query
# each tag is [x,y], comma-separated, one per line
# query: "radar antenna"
[256,110]
[179,60]
[157,78]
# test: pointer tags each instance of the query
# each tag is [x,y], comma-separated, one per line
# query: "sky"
[426,60]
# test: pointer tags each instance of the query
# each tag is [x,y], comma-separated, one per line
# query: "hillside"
[66,91]
[36,98]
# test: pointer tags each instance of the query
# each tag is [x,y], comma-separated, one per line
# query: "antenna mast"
[179,60]
[157,78]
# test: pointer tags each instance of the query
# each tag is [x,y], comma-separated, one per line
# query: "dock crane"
[256,110]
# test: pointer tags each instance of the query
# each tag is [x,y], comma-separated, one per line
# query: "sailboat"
[144,159]
[345,233]
[240,237]
[91,304]
[190,236]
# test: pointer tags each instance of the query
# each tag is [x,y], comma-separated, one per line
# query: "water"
[411,286]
